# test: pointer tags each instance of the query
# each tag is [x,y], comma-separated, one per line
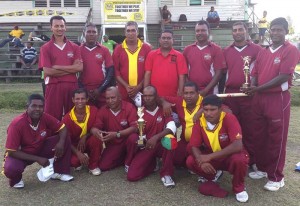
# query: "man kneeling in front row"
[216,144]
[35,136]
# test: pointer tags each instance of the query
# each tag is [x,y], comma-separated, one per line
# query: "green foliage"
[295,93]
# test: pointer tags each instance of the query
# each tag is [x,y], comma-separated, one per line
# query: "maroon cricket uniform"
[22,136]
[208,141]
[203,62]
[241,106]
[165,71]
[58,96]
[114,153]
[95,61]
[77,130]
[271,109]
[142,162]
[123,58]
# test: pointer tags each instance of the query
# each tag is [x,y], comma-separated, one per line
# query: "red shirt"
[203,63]
[165,71]
[269,65]
[95,61]
[155,123]
[51,55]
[235,64]
[229,132]
[106,120]
[20,135]
[74,130]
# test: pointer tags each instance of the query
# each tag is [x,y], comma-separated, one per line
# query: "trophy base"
[245,87]
[141,141]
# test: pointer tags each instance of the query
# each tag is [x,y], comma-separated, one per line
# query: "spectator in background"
[108,43]
[142,38]
[262,27]
[15,36]
[166,15]
[36,35]
[28,56]
[213,17]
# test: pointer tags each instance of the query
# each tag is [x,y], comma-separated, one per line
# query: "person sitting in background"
[36,35]
[108,43]
[166,15]
[15,36]
[213,17]
[28,56]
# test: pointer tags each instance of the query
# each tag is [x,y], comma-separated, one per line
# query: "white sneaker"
[217,177]
[62,177]
[257,175]
[274,186]
[167,181]
[242,196]
[78,168]
[19,185]
[126,168]
[95,171]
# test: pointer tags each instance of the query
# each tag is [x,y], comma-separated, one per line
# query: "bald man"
[115,122]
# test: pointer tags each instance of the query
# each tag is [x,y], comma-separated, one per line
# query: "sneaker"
[167,181]
[253,168]
[274,186]
[62,177]
[126,168]
[95,171]
[242,196]
[19,185]
[217,177]
[78,168]
[257,175]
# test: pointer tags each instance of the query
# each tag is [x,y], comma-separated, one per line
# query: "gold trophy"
[246,69]
[141,126]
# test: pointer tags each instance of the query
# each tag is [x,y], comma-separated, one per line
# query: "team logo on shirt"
[173,58]
[159,119]
[98,56]
[277,60]
[223,137]
[70,54]
[123,122]
[141,58]
[43,134]
[207,57]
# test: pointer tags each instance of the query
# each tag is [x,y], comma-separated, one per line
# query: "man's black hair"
[35,97]
[212,99]
[57,18]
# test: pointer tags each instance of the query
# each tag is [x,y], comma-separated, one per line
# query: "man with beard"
[166,68]
[205,60]
[98,69]
[234,54]
[270,83]
[36,136]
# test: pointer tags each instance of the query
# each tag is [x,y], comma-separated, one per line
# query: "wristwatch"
[118,134]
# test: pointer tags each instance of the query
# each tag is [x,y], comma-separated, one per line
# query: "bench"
[15,73]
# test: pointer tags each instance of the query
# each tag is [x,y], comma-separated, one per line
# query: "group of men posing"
[101,119]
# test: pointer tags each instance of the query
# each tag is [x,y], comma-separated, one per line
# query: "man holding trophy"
[240,58]
[143,151]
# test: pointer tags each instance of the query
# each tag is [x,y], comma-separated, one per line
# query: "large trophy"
[246,69]
[141,126]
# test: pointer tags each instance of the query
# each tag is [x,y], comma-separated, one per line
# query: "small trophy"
[246,69]
[141,126]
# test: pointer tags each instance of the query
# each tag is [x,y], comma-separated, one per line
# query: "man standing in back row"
[241,106]
[271,80]
[129,61]
[205,60]
[60,60]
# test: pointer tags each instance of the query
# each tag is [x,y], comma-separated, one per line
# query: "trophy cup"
[141,125]
[246,69]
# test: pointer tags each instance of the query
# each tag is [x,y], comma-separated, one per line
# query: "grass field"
[111,188]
